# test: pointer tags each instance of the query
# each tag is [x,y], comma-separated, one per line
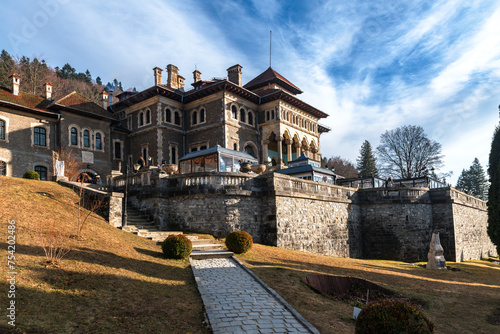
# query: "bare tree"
[341,166]
[406,152]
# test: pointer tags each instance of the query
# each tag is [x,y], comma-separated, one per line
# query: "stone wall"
[314,217]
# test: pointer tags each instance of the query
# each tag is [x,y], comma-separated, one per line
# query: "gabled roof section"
[277,94]
[77,103]
[270,76]
[24,99]
[150,92]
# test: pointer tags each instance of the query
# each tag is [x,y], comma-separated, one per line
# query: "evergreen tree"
[494,191]
[473,181]
[88,77]
[366,162]
[98,81]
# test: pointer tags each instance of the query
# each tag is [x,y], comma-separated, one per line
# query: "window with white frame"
[86,138]
[177,118]
[168,115]
[42,171]
[129,122]
[99,141]
[40,136]
[234,112]
[3,129]
[117,149]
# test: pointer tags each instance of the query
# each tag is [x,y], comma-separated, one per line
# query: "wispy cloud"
[372,66]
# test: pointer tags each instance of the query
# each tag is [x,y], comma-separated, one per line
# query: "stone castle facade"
[263,118]
[160,124]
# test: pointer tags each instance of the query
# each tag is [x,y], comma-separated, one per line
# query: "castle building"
[160,124]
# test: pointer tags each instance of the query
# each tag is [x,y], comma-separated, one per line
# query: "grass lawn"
[109,282]
[459,301]
[116,282]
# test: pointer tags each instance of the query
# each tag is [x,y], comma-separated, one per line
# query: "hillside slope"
[109,282]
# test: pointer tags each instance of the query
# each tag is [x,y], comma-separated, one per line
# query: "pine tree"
[473,181]
[98,81]
[366,162]
[494,191]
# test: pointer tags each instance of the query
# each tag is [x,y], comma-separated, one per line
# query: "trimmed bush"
[32,175]
[177,247]
[239,242]
[392,317]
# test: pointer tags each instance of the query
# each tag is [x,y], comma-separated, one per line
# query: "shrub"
[392,317]
[32,175]
[239,242]
[177,247]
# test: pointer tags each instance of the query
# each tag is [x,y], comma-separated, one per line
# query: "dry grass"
[110,282]
[455,301]
[115,282]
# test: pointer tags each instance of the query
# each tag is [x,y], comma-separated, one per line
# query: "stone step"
[207,247]
[155,233]
[202,241]
[159,240]
[213,254]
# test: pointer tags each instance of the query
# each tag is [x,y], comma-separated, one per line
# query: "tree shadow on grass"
[160,269]
[82,302]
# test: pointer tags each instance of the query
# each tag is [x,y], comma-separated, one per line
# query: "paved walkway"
[237,301]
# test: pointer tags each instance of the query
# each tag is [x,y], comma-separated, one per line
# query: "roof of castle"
[206,88]
[78,103]
[24,99]
[270,76]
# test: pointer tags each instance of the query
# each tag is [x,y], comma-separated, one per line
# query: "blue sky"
[371,65]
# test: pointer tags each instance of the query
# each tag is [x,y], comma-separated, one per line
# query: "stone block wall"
[396,231]
[291,213]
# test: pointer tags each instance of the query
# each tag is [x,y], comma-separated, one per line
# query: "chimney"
[48,90]
[157,75]
[16,82]
[104,99]
[180,82]
[196,76]
[234,74]
[172,71]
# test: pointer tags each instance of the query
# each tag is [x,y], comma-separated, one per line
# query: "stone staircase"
[140,225]
[207,249]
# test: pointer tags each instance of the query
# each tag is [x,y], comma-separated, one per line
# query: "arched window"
[202,115]
[74,136]
[98,141]
[234,112]
[148,116]
[168,116]
[235,147]
[272,114]
[194,118]
[267,115]
[141,119]
[40,137]
[177,118]
[242,115]
[249,150]
[250,118]
[42,171]
[173,155]
[2,130]
[3,168]
[86,138]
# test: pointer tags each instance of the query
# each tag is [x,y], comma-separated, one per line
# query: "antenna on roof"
[270,45]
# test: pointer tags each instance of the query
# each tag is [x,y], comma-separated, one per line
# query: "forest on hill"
[35,71]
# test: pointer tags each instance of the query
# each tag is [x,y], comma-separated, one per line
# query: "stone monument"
[435,256]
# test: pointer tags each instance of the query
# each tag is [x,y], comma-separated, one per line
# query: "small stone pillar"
[115,209]
[435,256]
